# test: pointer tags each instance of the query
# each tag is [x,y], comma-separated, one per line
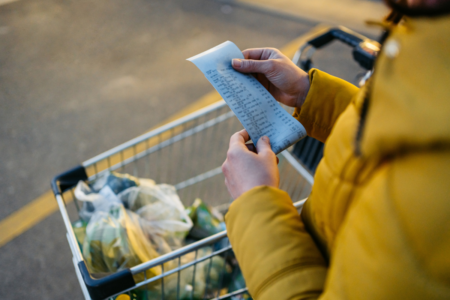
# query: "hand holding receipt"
[257,110]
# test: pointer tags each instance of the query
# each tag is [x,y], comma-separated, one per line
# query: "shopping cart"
[187,153]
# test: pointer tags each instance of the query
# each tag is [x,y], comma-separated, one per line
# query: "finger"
[253,53]
[240,138]
[263,145]
[253,66]
[278,160]
[259,53]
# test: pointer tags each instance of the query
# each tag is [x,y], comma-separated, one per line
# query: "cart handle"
[365,50]
[102,288]
[67,180]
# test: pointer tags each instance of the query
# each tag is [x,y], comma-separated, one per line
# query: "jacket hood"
[409,107]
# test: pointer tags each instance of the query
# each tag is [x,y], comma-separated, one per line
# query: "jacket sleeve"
[278,258]
[327,98]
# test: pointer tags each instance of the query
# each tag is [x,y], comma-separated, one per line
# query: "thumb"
[252,66]
[263,145]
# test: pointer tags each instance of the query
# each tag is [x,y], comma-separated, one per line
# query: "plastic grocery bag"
[163,217]
[98,195]
[115,241]
[115,181]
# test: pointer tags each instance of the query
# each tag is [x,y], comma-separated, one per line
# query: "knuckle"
[247,64]
[268,67]
[271,64]
[234,135]
[266,152]
[277,51]
[224,168]
[271,53]
[231,153]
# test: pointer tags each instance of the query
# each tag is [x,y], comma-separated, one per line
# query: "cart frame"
[123,281]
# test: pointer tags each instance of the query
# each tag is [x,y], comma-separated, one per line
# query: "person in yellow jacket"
[377,223]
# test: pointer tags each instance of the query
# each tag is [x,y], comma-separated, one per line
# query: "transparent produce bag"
[115,181]
[163,217]
[115,241]
[98,195]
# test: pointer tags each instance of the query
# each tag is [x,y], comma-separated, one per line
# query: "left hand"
[244,169]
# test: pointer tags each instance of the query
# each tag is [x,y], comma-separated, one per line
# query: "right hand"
[286,82]
[245,169]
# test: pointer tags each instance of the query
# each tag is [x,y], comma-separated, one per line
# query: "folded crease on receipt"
[257,110]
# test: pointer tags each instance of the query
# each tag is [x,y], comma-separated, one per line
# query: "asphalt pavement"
[80,77]
[349,13]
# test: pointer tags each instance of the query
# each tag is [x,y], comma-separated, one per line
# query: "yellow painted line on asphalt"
[40,208]
[26,217]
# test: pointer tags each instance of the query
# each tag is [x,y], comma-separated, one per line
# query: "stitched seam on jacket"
[279,274]
[313,230]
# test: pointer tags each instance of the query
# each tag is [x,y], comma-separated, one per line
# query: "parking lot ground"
[349,13]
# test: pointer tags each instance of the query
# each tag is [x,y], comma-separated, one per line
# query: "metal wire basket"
[187,153]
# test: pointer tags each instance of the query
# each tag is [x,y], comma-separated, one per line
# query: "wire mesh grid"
[204,270]
[188,153]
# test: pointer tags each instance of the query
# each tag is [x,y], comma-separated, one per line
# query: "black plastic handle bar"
[105,287]
[365,50]
[339,33]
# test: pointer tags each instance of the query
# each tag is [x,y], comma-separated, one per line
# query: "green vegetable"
[206,221]
[79,228]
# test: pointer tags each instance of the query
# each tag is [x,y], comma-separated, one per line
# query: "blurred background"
[80,77]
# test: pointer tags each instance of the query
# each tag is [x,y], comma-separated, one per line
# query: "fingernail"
[265,138]
[236,63]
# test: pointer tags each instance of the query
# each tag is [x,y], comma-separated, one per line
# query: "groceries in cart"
[125,221]
[115,241]
[207,220]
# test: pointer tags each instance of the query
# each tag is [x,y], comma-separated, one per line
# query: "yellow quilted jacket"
[377,223]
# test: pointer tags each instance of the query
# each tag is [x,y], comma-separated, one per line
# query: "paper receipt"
[254,106]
